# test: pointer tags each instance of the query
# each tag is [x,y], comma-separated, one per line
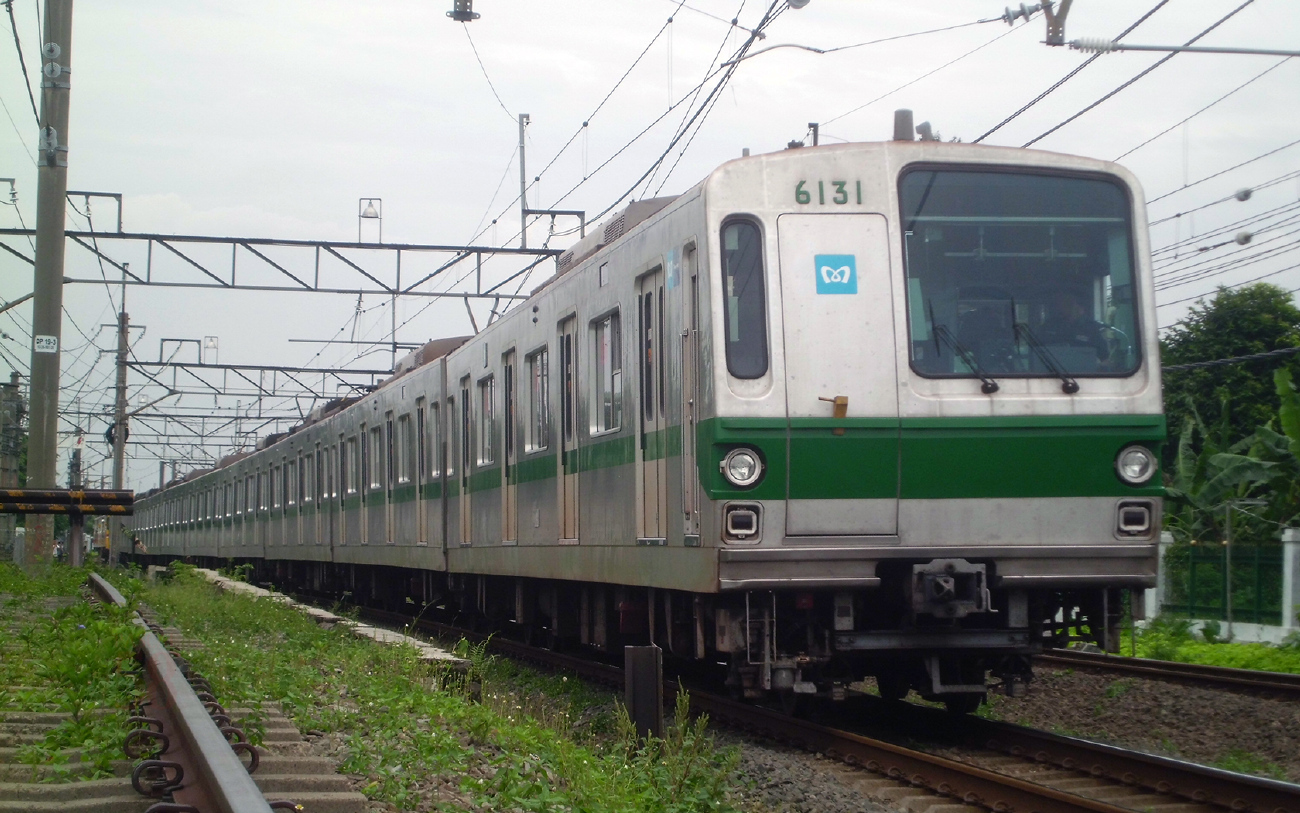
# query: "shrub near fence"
[1195,586]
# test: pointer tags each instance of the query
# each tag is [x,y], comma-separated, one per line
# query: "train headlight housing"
[1135,465]
[742,467]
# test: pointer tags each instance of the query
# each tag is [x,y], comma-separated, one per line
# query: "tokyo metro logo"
[836,273]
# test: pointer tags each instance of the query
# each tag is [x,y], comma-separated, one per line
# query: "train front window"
[745,306]
[1018,275]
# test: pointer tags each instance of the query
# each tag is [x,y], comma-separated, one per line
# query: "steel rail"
[963,782]
[223,778]
[1280,683]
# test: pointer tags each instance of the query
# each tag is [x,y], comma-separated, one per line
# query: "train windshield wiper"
[943,334]
[1068,385]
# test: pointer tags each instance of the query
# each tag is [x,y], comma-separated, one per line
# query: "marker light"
[1135,465]
[742,467]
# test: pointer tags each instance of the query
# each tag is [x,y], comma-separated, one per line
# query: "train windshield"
[1013,274]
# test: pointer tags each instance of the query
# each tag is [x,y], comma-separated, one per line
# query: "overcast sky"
[263,119]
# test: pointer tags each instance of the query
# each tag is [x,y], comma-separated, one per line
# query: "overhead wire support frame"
[220,279]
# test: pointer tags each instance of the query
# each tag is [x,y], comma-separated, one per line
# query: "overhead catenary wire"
[1185,243]
[705,105]
[479,59]
[1173,266]
[1140,74]
[1196,365]
[1176,125]
[925,75]
[1223,172]
[1230,287]
[22,63]
[1073,73]
[1255,188]
[585,125]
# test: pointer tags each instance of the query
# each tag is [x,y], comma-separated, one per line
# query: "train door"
[421,473]
[690,393]
[568,457]
[466,445]
[329,495]
[390,479]
[509,475]
[841,380]
[652,473]
[363,484]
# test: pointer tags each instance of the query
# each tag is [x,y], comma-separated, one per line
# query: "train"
[870,410]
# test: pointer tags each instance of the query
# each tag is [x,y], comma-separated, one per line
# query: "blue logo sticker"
[836,273]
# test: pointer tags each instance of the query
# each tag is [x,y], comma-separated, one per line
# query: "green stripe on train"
[930,458]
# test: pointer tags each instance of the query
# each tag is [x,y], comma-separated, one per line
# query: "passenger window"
[404,443]
[486,420]
[539,412]
[745,306]
[607,412]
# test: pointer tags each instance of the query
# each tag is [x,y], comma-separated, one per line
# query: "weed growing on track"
[497,737]
[77,659]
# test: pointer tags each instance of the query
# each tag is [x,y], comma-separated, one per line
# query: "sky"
[254,119]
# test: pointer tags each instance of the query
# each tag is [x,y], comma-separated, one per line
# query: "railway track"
[1279,684]
[192,755]
[1002,767]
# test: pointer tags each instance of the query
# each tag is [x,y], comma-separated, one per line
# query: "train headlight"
[741,467]
[1135,465]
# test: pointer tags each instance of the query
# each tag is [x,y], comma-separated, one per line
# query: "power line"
[585,124]
[1230,287]
[1274,182]
[1224,172]
[1180,244]
[1175,266]
[1171,127]
[1141,74]
[493,87]
[1233,264]
[1067,77]
[922,76]
[27,82]
[1196,365]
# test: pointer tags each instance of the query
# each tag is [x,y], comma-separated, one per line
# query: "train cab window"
[539,405]
[607,389]
[486,421]
[405,442]
[745,302]
[1017,274]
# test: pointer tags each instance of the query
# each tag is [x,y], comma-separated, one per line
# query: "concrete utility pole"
[117,542]
[523,186]
[47,310]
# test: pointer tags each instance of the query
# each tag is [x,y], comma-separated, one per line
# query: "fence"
[1195,587]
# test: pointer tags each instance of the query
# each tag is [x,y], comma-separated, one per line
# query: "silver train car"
[883,409]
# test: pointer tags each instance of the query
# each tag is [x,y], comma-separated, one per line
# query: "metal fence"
[1195,586]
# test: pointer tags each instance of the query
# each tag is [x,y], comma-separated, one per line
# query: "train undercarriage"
[937,628]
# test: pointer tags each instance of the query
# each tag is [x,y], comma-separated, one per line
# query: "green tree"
[1238,397]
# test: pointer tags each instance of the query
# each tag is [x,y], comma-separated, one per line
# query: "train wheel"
[963,703]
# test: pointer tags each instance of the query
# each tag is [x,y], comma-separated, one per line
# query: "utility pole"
[120,429]
[47,310]
[523,186]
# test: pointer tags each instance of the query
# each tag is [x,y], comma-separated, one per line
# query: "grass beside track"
[61,654]
[1172,639]
[499,737]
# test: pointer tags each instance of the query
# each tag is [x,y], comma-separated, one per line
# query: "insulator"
[1098,45]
